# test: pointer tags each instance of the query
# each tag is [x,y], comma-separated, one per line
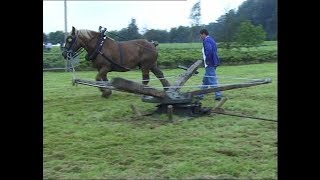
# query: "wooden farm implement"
[172,100]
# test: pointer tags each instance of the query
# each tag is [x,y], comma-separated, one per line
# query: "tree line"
[253,22]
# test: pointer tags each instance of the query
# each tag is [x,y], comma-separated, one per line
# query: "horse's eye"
[69,39]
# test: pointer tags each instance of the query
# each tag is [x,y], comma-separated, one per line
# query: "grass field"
[89,137]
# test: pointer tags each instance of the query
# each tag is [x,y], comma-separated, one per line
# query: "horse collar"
[98,47]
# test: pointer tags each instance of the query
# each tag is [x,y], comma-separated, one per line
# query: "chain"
[71,60]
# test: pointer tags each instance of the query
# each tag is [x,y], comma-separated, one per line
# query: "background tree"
[129,33]
[133,30]
[259,12]
[262,12]
[228,26]
[161,36]
[123,35]
[45,38]
[195,14]
[195,17]
[180,34]
[250,35]
[214,29]
[195,32]
[56,37]
[112,34]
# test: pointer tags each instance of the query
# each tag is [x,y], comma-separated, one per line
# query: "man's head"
[203,33]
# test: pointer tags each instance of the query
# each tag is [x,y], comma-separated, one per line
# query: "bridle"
[72,40]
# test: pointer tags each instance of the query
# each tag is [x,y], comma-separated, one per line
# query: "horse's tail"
[155,43]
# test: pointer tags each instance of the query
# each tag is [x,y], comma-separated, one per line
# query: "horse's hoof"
[106,93]
[165,89]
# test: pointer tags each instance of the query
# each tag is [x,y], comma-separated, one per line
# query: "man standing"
[211,62]
[49,46]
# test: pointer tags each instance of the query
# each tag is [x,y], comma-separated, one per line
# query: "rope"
[161,87]
[72,57]
[238,115]
[197,86]
[167,77]
[173,86]
[230,77]
[152,79]
[52,53]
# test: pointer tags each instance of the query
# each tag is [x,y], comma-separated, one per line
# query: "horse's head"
[72,44]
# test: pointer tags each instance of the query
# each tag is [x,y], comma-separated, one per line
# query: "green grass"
[89,137]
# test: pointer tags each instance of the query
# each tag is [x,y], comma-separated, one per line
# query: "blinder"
[71,40]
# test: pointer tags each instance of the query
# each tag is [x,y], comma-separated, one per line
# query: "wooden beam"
[170,112]
[136,88]
[231,86]
[186,68]
[135,110]
[220,103]
[184,77]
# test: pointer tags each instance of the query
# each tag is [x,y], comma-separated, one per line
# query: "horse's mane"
[88,34]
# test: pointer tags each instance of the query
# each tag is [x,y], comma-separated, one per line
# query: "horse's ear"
[73,31]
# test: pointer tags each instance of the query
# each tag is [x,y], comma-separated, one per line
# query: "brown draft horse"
[109,55]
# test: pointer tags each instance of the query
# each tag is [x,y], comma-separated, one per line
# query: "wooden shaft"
[184,77]
[136,88]
[231,86]
[170,112]
[135,110]
[220,103]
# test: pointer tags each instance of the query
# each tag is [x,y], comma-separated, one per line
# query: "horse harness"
[98,48]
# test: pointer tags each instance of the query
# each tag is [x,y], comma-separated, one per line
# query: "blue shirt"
[211,52]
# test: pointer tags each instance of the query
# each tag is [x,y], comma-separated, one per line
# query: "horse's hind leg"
[157,72]
[102,76]
[145,76]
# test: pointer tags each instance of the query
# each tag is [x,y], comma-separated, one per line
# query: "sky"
[115,15]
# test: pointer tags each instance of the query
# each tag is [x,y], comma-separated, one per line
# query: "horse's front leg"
[102,76]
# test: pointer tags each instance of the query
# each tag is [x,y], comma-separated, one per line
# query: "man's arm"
[207,49]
